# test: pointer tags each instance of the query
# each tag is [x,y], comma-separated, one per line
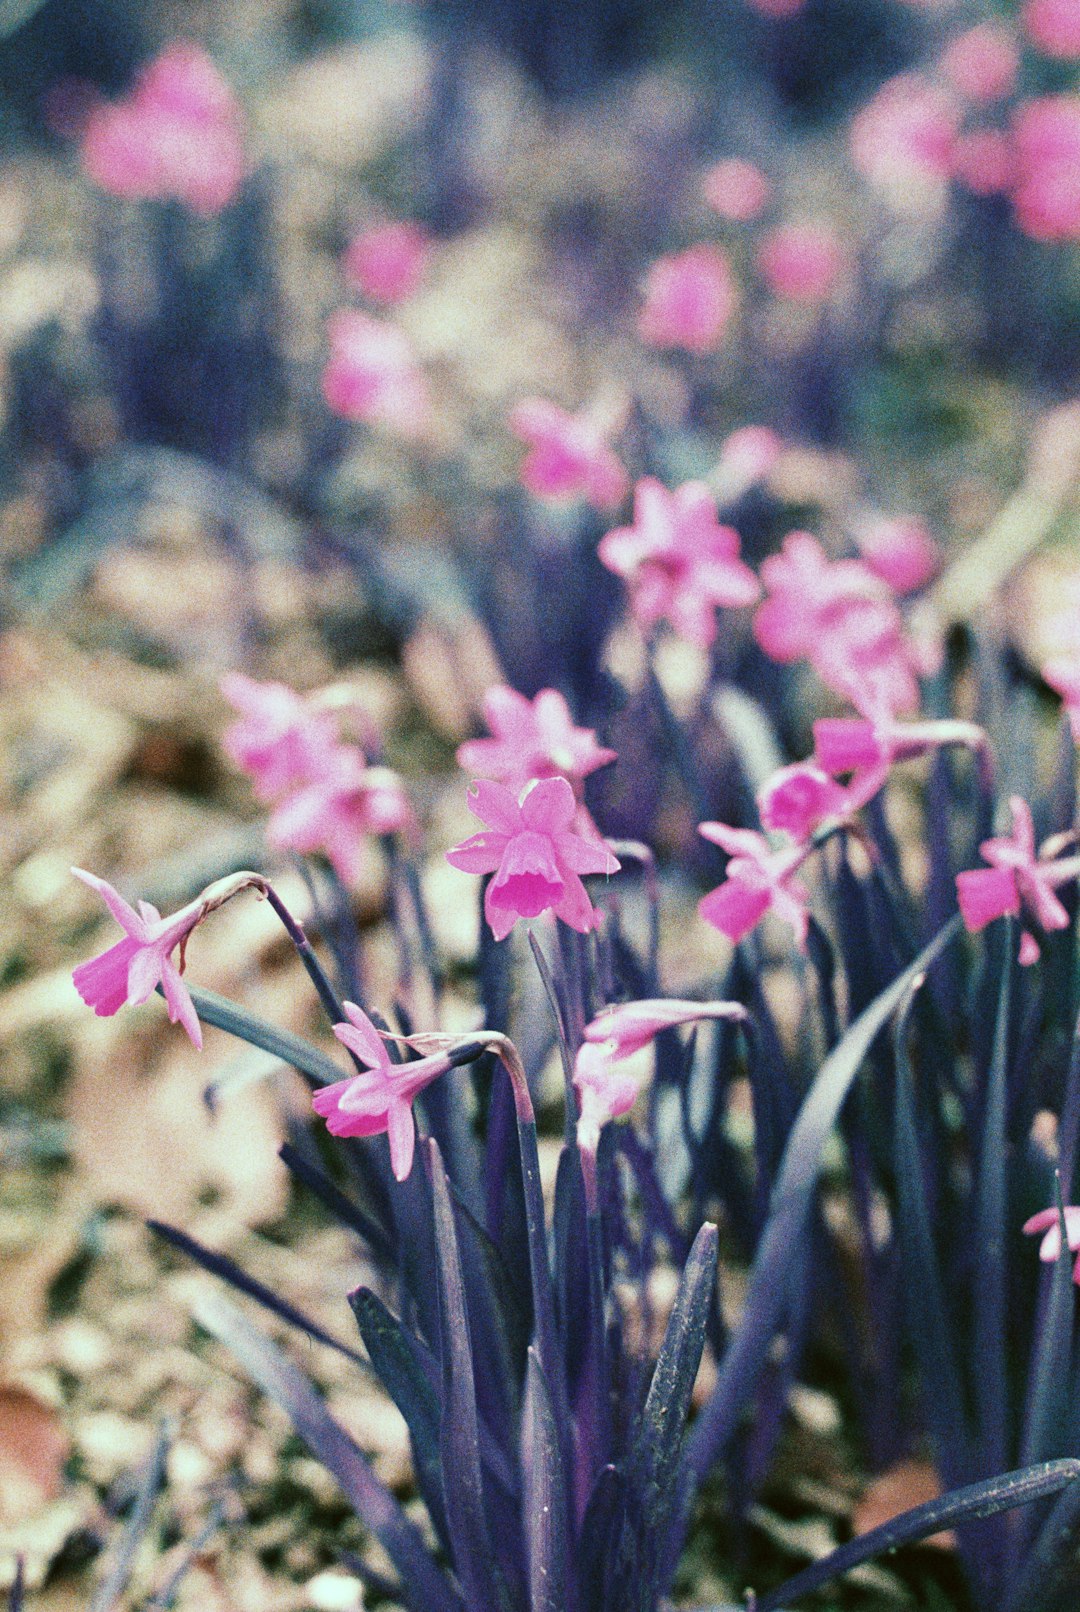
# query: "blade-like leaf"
[1048,1401]
[990,1306]
[115,1581]
[340,1206]
[545,1498]
[426,1588]
[15,1599]
[1047,1580]
[163,1599]
[247,1026]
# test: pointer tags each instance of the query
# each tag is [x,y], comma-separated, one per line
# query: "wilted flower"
[802,261]
[535,854]
[281,742]
[1046,182]
[690,298]
[981,63]
[736,189]
[337,808]
[372,374]
[387,262]
[757,880]
[1015,881]
[569,456]
[532,739]
[1053,26]
[679,563]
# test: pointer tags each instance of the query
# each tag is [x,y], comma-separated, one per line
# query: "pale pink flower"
[747,457]
[679,563]
[532,739]
[569,456]
[373,375]
[1046,181]
[178,135]
[606,1088]
[630,1026]
[981,64]
[899,550]
[802,261]
[855,744]
[335,811]
[983,161]
[131,970]
[1048,1221]
[840,617]
[536,857]
[757,879]
[736,189]
[387,262]
[904,136]
[381,1098]
[796,800]
[1053,26]
[690,298]
[1015,881]
[280,741]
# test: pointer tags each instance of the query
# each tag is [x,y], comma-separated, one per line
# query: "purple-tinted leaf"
[602,1513]
[990,1212]
[985,1499]
[340,1206]
[112,1587]
[546,1517]
[162,1599]
[1049,1578]
[247,1026]
[560,1014]
[499,1323]
[15,1599]
[1048,1399]
[426,1588]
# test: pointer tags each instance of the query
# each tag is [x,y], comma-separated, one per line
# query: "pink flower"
[532,739]
[1053,26]
[280,741]
[690,298]
[178,135]
[796,800]
[736,189]
[1015,880]
[336,809]
[899,550]
[1048,1221]
[757,880]
[1046,186]
[130,970]
[387,262]
[630,1026]
[802,261]
[981,63]
[372,374]
[678,562]
[606,1090]
[534,853]
[1062,672]
[903,137]
[983,161]
[381,1098]
[841,618]
[568,455]
[747,457]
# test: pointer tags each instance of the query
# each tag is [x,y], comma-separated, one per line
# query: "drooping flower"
[736,189]
[1048,1221]
[532,739]
[178,135]
[796,800]
[757,880]
[982,62]
[1016,881]
[899,550]
[334,812]
[372,374]
[532,849]
[387,262]
[679,563]
[861,744]
[902,139]
[280,740]
[1053,26]
[690,298]
[802,261]
[606,1088]
[1046,178]
[381,1098]
[569,455]
[630,1026]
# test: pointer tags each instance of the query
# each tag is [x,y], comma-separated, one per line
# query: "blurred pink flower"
[1046,178]
[679,563]
[736,189]
[606,1090]
[381,1099]
[387,262]
[345,801]
[372,374]
[746,457]
[802,261]
[569,456]
[796,800]
[130,970]
[983,161]
[904,135]
[630,1026]
[532,739]
[1062,672]
[981,63]
[1016,880]
[1053,26]
[1048,1221]
[899,550]
[178,135]
[690,298]
[757,879]
[280,741]
[536,857]
[840,617]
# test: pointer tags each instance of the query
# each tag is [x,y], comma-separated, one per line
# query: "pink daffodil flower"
[758,879]
[1046,167]
[690,298]
[1016,881]
[532,739]
[679,563]
[569,456]
[606,1088]
[630,1026]
[387,262]
[334,811]
[865,744]
[1053,26]
[796,800]
[1048,1221]
[373,375]
[531,847]
[281,741]
[381,1098]
[899,550]
[802,261]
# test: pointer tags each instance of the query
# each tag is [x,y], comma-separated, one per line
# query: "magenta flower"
[736,189]
[387,262]
[690,298]
[1053,26]
[796,800]
[178,135]
[862,745]
[757,880]
[338,808]
[678,562]
[1015,881]
[1048,1221]
[381,1098]
[1046,151]
[532,739]
[537,858]
[280,741]
[802,261]
[569,456]
[606,1090]
[130,970]
[899,550]
[373,376]
[630,1026]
